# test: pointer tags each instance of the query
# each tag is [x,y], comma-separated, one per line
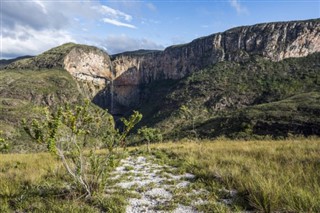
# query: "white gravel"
[152,182]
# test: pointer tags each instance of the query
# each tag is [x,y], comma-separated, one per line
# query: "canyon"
[120,76]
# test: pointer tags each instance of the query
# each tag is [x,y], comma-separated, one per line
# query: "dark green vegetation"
[247,100]
[52,58]
[251,99]
[136,53]
[77,136]
[4,62]
[24,93]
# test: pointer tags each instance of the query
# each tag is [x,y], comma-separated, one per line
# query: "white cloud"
[43,7]
[35,14]
[121,43]
[52,23]
[112,13]
[118,23]
[151,7]
[238,7]
[28,41]
[114,17]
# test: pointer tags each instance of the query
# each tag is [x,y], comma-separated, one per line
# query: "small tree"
[150,135]
[129,124]
[4,146]
[187,114]
[75,135]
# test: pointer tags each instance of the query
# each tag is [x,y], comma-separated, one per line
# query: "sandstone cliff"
[274,41]
[90,66]
[117,81]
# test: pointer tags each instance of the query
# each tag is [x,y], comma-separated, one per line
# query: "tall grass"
[268,175]
[39,183]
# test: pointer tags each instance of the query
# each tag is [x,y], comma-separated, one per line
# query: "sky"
[30,27]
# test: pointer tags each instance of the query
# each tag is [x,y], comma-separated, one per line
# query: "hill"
[22,95]
[5,62]
[249,81]
[257,97]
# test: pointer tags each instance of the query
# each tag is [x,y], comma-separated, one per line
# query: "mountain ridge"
[274,41]
[123,82]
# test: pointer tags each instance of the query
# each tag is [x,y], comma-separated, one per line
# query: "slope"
[256,97]
[24,93]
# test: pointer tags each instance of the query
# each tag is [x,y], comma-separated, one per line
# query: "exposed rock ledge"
[274,41]
[94,70]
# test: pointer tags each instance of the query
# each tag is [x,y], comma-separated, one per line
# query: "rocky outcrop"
[90,66]
[274,41]
[119,79]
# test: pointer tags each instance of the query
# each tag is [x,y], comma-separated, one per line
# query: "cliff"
[117,80]
[273,41]
[232,72]
[90,66]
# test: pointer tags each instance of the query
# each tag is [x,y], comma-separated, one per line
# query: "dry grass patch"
[268,175]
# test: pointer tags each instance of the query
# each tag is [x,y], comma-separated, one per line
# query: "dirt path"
[158,188]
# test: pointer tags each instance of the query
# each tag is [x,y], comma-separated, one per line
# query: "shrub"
[75,135]
[4,146]
[150,135]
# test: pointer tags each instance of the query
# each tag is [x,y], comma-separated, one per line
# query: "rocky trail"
[159,188]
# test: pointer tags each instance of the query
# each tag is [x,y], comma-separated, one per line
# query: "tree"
[4,146]
[75,135]
[187,114]
[150,135]
[129,124]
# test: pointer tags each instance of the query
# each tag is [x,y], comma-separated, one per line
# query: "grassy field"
[39,183]
[269,176]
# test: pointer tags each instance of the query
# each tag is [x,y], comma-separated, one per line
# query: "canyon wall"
[90,66]
[117,80]
[274,41]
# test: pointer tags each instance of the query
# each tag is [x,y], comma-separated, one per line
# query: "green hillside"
[23,94]
[52,58]
[256,97]
[251,99]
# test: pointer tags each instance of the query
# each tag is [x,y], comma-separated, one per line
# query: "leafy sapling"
[75,135]
[150,135]
[4,146]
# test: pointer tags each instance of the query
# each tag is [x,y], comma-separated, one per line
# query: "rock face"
[274,41]
[90,66]
[117,81]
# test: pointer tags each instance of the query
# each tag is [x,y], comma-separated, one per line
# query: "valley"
[225,123]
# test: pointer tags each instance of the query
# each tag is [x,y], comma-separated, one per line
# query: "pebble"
[155,191]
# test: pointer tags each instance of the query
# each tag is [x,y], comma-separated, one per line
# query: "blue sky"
[29,27]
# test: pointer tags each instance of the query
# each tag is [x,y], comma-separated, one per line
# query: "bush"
[75,135]
[4,146]
[150,135]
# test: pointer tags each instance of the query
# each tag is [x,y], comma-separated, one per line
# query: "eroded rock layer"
[274,41]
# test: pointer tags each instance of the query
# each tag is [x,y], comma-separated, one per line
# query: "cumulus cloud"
[31,27]
[27,41]
[34,14]
[117,44]
[238,7]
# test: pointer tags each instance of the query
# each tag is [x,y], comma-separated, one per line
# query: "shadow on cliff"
[150,100]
